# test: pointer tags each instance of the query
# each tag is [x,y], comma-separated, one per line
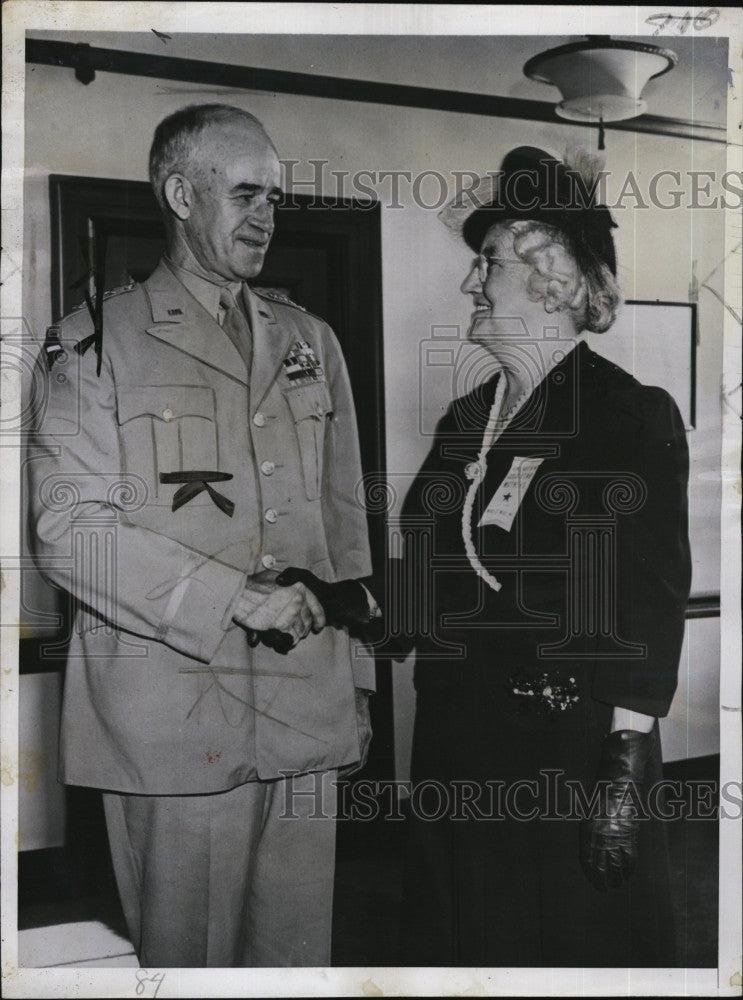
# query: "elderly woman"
[552,508]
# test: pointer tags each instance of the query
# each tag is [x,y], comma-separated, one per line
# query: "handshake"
[280,609]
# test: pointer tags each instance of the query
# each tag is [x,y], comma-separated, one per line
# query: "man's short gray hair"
[177,135]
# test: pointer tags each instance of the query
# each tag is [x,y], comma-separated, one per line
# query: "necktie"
[236,326]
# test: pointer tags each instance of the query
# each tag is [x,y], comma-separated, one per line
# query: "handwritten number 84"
[700,21]
[144,977]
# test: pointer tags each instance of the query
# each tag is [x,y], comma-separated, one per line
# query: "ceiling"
[696,89]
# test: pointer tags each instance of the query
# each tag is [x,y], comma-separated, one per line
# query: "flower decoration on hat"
[534,185]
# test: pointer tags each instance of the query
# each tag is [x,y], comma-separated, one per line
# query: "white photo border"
[393,19]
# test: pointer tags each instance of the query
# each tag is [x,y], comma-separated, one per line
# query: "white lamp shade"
[600,80]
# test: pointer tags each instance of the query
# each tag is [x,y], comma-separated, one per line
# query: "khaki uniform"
[163,695]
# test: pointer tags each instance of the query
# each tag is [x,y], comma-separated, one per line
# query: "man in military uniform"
[206,443]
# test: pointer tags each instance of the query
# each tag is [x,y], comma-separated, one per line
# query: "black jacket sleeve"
[402,585]
[652,560]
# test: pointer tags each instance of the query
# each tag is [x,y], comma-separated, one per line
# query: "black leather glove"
[608,847]
[346,603]
[281,642]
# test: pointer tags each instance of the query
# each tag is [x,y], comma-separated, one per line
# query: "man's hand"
[266,607]
[346,603]
[608,849]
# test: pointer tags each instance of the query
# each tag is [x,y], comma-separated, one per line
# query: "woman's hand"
[608,847]
[345,604]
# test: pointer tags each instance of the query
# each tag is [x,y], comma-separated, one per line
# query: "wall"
[41,799]
[104,130]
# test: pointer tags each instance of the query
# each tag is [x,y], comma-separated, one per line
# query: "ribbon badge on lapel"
[509,496]
[195,483]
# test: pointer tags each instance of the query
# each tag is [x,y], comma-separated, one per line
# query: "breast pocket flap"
[165,402]
[168,428]
[309,401]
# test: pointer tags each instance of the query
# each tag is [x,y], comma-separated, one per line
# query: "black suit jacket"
[594,568]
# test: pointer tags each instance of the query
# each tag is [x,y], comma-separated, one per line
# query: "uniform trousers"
[242,878]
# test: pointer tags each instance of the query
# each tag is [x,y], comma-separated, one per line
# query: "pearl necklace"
[475,472]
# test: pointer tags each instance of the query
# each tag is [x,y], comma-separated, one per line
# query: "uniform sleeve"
[343,511]
[652,563]
[79,492]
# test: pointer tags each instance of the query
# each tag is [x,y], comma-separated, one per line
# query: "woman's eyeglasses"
[483,264]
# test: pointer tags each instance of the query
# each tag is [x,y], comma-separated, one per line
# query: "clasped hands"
[281,609]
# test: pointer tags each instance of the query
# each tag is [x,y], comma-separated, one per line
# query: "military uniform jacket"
[163,694]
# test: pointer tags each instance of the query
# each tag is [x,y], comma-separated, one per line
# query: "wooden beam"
[86,60]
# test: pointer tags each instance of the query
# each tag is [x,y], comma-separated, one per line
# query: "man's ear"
[178,192]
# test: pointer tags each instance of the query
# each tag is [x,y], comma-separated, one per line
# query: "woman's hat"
[533,185]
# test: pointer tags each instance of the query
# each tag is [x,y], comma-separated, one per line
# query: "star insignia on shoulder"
[106,295]
[274,296]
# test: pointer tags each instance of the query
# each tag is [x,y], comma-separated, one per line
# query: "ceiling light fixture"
[600,79]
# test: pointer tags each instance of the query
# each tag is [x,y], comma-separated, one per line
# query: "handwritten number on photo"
[701,21]
[155,980]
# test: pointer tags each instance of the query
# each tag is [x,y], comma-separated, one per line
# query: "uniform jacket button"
[271,516]
[267,468]
[268,561]
[167,413]
[259,419]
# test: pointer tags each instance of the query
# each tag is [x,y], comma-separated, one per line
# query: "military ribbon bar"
[195,483]
[301,365]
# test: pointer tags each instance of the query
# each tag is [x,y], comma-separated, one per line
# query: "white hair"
[592,295]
